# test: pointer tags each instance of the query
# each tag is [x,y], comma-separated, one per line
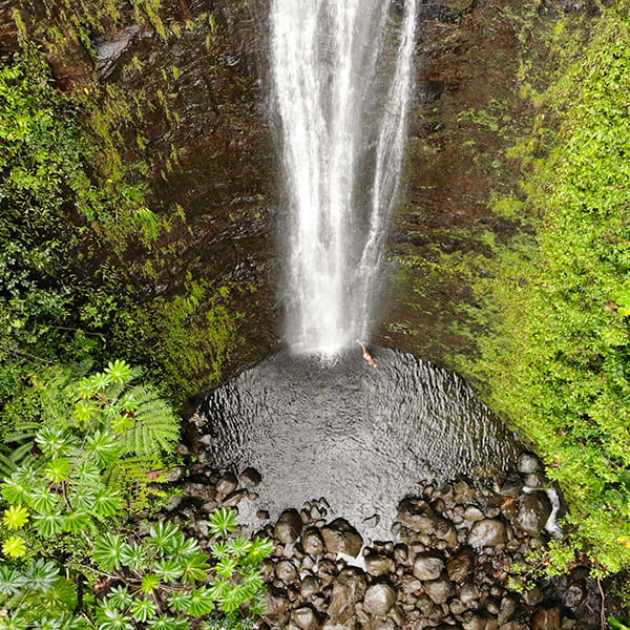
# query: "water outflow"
[341,74]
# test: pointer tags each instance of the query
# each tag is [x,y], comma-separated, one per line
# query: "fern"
[155,426]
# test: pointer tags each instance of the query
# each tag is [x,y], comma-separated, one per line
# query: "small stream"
[363,438]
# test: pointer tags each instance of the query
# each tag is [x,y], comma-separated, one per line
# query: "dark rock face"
[204,137]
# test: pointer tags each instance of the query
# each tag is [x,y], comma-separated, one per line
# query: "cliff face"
[197,67]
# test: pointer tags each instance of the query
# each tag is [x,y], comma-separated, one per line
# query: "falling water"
[341,74]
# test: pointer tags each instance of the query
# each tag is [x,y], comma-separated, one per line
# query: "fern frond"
[155,427]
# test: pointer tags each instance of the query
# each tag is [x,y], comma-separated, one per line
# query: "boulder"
[286,572]
[528,463]
[428,566]
[439,590]
[340,537]
[288,527]
[487,533]
[377,564]
[348,589]
[533,513]
[379,599]
[461,565]
[547,619]
[227,484]
[250,477]
[305,618]
[312,542]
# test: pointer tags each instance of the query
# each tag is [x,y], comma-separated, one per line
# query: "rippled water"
[359,436]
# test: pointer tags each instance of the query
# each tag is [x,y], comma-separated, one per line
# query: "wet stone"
[468,594]
[286,572]
[227,484]
[312,542]
[487,533]
[533,596]
[377,564]
[528,463]
[533,513]
[473,514]
[428,566]
[250,477]
[288,527]
[439,590]
[340,537]
[379,599]
[305,618]
[575,595]
[234,498]
[461,565]
[348,589]
[547,619]
[309,587]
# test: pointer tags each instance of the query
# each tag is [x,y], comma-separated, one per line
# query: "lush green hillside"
[558,362]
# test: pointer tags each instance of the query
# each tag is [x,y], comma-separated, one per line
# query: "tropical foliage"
[87,459]
[558,362]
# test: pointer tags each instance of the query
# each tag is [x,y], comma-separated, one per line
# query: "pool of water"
[360,437]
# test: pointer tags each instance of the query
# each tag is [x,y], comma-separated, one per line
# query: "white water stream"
[341,76]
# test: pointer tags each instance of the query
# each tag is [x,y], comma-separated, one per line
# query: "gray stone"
[286,572]
[250,477]
[468,594]
[340,537]
[533,596]
[234,498]
[418,515]
[461,565]
[379,599]
[312,542]
[276,605]
[288,527]
[227,484]
[439,590]
[428,566]
[348,589]
[506,610]
[309,586]
[473,514]
[533,513]
[487,533]
[305,618]
[377,564]
[537,480]
[528,463]
[575,595]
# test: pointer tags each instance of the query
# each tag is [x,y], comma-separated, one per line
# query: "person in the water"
[366,354]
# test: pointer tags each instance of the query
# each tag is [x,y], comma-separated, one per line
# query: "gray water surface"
[360,437]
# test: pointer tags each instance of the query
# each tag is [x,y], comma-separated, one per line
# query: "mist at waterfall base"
[361,437]
[341,76]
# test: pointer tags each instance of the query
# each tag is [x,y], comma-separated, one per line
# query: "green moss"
[558,360]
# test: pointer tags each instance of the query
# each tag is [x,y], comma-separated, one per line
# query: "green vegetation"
[557,362]
[74,221]
[80,457]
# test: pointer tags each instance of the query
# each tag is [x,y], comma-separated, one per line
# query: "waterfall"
[341,82]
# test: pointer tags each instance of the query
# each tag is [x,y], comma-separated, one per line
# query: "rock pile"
[450,564]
